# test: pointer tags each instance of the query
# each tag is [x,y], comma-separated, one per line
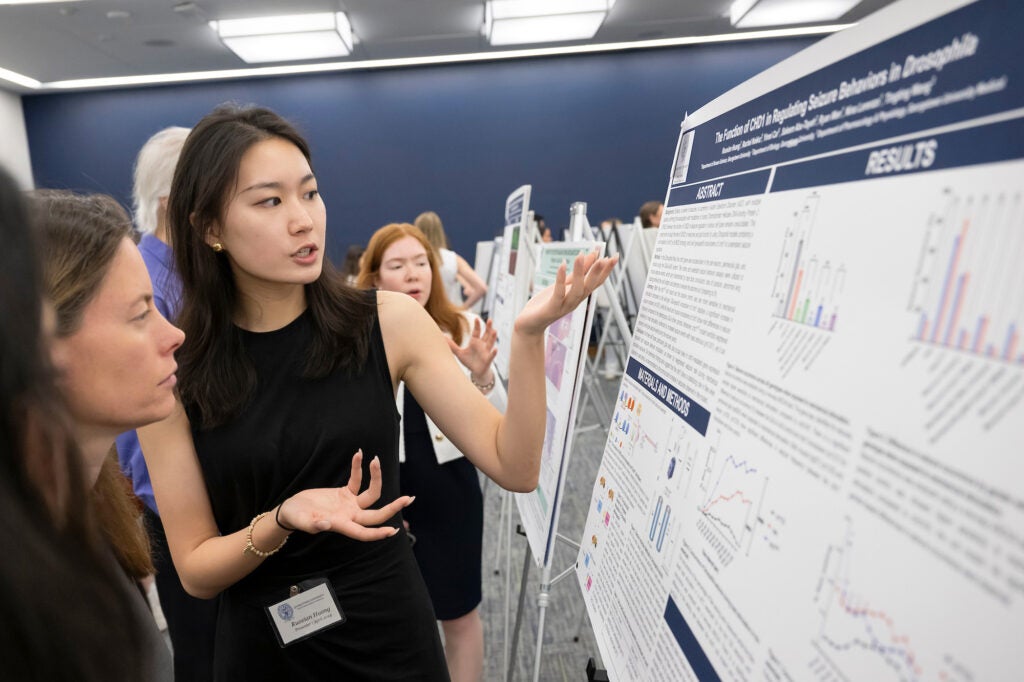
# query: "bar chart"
[807,287]
[968,291]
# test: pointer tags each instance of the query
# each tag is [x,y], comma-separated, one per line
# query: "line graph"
[733,490]
[855,634]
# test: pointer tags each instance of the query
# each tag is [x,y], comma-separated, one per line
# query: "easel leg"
[506,531]
[542,607]
[527,557]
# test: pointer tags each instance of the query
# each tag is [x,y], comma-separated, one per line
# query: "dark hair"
[215,376]
[350,266]
[56,584]
[646,211]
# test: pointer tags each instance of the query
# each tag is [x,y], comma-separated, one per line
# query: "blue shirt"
[167,298]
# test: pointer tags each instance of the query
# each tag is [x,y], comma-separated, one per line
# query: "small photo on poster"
[560,327]
[549,433]
[554,361]
[514,253]
[682,164]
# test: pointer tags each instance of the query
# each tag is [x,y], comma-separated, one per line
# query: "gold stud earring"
[217,247]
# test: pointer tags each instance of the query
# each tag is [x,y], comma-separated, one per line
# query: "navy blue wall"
[455,139]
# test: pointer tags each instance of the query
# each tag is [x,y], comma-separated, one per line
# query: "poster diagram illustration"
[672,476]
[601,509]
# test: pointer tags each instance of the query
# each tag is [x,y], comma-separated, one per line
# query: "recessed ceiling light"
[758,13]
[515,22]
[18,79]
[287,38]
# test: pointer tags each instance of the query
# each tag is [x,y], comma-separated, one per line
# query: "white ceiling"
[104,38]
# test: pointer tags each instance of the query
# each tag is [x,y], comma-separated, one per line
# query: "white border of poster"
[813,470]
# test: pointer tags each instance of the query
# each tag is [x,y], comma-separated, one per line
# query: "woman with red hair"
[447,519]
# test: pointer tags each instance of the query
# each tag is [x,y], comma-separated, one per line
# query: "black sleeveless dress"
[301,433]
[447,518]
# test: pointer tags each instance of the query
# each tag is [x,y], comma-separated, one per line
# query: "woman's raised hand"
[344,510]
[568,291]
[480,352]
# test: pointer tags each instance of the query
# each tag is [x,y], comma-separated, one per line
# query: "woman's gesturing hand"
[344,510]
[480,352]
[568,291]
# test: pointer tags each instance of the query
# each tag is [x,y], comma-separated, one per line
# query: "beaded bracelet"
[484,388]
[251,548]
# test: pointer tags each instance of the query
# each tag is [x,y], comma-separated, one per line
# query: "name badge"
[312,608]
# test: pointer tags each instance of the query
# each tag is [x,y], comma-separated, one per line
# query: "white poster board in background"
[814,470]
[492,277]
[482,263]
[565,343]
[515,269]
[632,274]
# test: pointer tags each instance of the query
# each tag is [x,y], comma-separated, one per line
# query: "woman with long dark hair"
[288,385]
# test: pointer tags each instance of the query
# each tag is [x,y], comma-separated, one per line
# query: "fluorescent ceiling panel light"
[757,13]
[511,9]
[287,38]
[262,26]
[515,22]
[287,47]
[18,79]
[581,26]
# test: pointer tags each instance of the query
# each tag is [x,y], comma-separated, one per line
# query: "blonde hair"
[431,226]
[446,315]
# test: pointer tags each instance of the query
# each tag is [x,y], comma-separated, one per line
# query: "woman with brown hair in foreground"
[68,610]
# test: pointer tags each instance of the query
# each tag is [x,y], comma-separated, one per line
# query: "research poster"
[815,468]
[515,268]
[565,342]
